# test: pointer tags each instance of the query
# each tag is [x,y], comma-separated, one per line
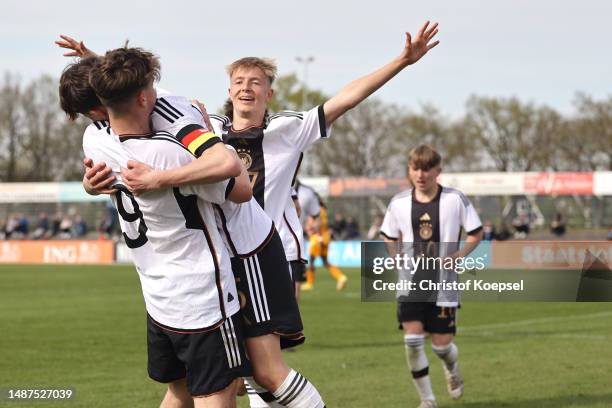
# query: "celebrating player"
[194,333]
[272,146]
[269,308]
[425,216]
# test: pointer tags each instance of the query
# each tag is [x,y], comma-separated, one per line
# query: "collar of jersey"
[436,197]
[127,136]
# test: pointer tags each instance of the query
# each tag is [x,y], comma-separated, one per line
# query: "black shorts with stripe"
[209,361]
[267,296]
[298,271]
[435,319]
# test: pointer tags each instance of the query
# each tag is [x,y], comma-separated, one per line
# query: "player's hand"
[205,117]
[417,47]
[98,178]
[78,48]
[139,177]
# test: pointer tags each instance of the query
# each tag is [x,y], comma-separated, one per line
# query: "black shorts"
[267,294]
[298,271]
[435,319]
[209,360]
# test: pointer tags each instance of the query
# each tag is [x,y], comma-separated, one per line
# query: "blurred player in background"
[316,226]
[430,216]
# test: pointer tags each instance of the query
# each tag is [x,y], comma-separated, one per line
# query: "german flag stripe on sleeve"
[197,138]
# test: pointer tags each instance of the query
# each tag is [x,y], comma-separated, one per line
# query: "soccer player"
[272,146]
[270,311]
[316,224]
[194,333]
[424,215]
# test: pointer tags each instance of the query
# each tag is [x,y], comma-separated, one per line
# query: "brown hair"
[121,74]
[268,66]
[76,95]
[423,157]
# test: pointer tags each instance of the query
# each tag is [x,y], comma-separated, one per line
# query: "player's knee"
[441,340]
[267,378]
[177,390]
[442,350]
[414,342]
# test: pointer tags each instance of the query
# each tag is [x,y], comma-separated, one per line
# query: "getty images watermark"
[423,272]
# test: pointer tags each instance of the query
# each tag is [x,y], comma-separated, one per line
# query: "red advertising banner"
[57,252]
[558,183]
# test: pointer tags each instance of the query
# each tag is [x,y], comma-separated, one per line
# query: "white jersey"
[273,153]
[245,227]
[438,221]
[309,203]
[184,268]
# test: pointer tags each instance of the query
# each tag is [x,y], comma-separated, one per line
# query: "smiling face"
[250,91]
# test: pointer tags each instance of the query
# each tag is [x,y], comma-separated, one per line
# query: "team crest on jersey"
[245,156]
[425,227]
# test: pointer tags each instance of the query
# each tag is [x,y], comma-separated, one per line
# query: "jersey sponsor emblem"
[229,297]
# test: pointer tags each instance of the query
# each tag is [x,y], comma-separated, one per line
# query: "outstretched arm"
[78,47]
[355,92]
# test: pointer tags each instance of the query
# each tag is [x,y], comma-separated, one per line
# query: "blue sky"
[541,51]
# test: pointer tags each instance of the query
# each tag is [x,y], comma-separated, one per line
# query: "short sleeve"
[300,129]
[390,227]
[101,147]
[469,217]
[177,116]
[312,207]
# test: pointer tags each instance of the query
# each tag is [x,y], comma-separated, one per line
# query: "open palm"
[417,47]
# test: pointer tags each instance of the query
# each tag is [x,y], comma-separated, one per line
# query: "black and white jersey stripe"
[230,341]
[101,124]
[165,109]
[257,290]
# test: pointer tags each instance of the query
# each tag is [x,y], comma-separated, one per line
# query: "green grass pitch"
[84,327]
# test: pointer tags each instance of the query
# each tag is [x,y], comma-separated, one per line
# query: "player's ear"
[270,95]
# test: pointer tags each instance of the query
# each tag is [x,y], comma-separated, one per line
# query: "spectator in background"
[79,228]
[352,229]
[339,227]
[521,226]
[609,237]
[42,227]
[374,231]
[557,226]
[65,228]
[10,227]
[23,227]
[504,233]
[55,225]
[488,231]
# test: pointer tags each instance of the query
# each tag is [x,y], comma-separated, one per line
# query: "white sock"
[297,392]
[418,364]
[448,354]
[259,397]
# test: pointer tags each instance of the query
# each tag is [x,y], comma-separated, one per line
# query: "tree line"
[38,142]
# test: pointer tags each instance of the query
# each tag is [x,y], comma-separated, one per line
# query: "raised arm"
[355,92]
[78,47]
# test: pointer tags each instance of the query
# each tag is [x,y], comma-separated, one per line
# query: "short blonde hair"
[267,65]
